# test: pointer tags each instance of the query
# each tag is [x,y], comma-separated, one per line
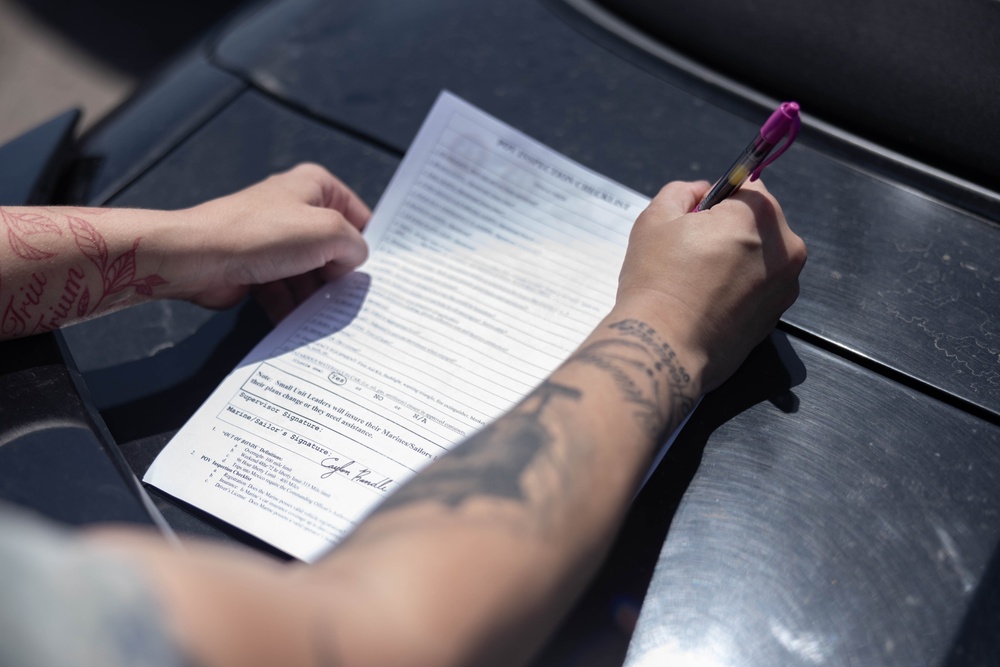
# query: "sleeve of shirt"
[65,604]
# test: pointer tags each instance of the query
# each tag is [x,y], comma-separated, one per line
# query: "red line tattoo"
[72,288]
[18,318]
[120,272]
[21,225]
[28,309]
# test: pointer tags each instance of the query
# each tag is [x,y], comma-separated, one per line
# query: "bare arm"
[476,559]
[59,265]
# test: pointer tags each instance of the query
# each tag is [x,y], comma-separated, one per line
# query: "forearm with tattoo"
[510,524]
[60,270]
[647,375]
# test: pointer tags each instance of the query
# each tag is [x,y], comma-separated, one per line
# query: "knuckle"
[799,252]
[312,171]
[308,168]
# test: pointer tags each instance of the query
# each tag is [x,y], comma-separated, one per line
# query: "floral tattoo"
[48,297]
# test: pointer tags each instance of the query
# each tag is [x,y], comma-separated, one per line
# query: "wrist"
[653,371]
[186,255]
[668,328]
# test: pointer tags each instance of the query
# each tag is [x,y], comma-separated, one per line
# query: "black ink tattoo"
[636,362]
[491,462]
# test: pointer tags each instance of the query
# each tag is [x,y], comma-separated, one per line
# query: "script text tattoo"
[48,297]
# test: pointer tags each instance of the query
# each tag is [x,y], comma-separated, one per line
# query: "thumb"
[677,198]
[347,252]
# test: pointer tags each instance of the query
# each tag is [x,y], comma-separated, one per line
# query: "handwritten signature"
[355,472]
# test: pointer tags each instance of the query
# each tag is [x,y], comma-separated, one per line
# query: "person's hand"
[714,283]
[283,237]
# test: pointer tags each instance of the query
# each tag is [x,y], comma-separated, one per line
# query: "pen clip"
[784,122]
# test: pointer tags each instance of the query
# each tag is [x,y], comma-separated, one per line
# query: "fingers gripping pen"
[783,124]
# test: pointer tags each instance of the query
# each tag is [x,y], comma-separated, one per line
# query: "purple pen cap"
[783,123]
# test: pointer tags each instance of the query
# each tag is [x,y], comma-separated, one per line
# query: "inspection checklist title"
[540,165]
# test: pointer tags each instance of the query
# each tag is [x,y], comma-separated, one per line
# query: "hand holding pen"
[783,124]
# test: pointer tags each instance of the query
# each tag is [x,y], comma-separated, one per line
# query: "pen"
[783,124]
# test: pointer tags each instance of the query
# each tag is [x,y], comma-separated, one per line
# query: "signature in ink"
[355,473]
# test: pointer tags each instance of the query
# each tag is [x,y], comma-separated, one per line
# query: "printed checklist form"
[491,258]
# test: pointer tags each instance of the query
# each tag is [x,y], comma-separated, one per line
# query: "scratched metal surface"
[920,75]
[825,512]
[852,520]
[893,275]
[859,527]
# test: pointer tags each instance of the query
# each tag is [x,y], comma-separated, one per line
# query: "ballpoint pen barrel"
[755,153]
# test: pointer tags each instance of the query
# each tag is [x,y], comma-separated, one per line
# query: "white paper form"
[491,259]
